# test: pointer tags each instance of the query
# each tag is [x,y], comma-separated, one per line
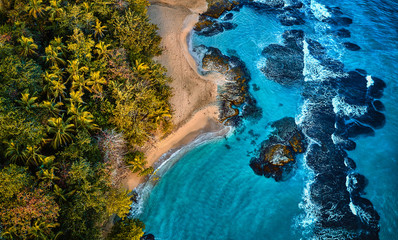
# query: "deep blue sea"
[212,193]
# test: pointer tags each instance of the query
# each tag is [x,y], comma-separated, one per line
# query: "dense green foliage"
[69,70]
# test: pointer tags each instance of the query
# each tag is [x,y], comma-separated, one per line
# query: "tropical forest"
[79,97]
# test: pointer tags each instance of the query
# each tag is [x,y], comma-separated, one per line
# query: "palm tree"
[160,114]
[55,10]
[82,118]
[75,71]
[15,152]
[47,175]
[57,89]
[61,131]
[76,97]
[140,67]
[32,155]
[28,102]
[27,47]
[102,50]
[136,163]
[96,81]
[98,29]
[35,8]
[53,55]
[52,107]
[47,161]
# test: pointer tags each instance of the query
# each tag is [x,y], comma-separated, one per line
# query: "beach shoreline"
[194,95]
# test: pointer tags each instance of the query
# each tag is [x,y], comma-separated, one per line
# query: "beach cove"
[336,100]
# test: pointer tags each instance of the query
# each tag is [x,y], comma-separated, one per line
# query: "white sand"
[194,96]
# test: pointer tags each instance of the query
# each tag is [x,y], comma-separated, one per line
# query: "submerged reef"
[277,154]
[284,64]
[234,99]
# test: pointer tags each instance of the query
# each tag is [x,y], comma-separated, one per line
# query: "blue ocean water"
[212,193]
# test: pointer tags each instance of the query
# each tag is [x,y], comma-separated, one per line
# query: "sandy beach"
[194,96]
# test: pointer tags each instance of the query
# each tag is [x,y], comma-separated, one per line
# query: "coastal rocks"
[291,18]
[208,27]
[209,23]
[351,46]
[284,64]
[228,16]
[339,21]
[337,107]
[148,236]
[277,154]
[343,33]
[234,99]
[216,8]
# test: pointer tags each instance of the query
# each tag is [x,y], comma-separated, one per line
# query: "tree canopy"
[79,96]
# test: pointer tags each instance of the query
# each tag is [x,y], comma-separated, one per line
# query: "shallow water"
[212,193]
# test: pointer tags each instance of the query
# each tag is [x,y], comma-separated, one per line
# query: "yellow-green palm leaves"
[61,131]
[99,29]
[53,55]
[52,107]
[76,75]
[96,81]
[102,49]
[35,8]
[55,10]
[27,46]
[28,102]
[81,117]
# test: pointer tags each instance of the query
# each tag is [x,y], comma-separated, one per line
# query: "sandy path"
[194,97]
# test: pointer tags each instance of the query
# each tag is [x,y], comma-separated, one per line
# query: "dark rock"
[148,236]
[291,18]
[343,33]
[276,161]
[378,105]
[350,163]
[369,215]
[351,46]
[353,87]
[208,28]
[255,87]
[339,21]
[356,183]
[326,158]
[316,49]
[277,154]
[293,6]
[333,65]
[336,11]
[250,109]
[346,144]
[216,8]
[228,16]
[355,129]
[377,88]
[293,39]
[372,118]
[228,26]
[283,65]
[233,95]
[287,133]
